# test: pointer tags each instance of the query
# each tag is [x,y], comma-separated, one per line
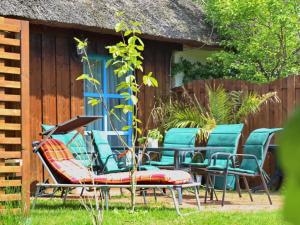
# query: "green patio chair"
[251,165]
[77,145]
[175,138]
[109,160]
[226,136]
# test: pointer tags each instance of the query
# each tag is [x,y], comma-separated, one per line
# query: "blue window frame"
[110,99]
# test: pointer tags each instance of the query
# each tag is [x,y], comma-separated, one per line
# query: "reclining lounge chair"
[67,172]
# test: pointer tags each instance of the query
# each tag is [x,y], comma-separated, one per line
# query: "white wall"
[192,55]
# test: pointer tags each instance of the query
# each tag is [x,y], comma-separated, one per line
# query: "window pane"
[96,110]
[115,141]
[120,119]
[113,80]
[97,68]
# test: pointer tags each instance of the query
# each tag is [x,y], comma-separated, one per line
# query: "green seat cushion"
[216,167]
[160,163]
[176,138]
[239,170]
[226,136]
[256,145]
[195,164]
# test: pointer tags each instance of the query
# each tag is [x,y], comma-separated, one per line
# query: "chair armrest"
[233,157]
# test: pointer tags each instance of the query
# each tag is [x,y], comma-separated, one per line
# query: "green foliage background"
[260,38]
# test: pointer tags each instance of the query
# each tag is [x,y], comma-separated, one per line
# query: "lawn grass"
[53,212]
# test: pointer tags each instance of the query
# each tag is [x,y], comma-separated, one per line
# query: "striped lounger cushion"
[63,162]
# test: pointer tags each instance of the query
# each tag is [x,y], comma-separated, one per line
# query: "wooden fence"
[14,114]
[271,115]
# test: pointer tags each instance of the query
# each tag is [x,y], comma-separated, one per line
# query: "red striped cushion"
[62,161]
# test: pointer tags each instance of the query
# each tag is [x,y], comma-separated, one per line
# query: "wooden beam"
[9,41]
[10,28]
[11,155]
[10,140]
[10,112]
[10,84]
[10,98]
[25,120]
[10,55]
[10,197]
[10,183]
[10,70]
[10,126]
[10,169]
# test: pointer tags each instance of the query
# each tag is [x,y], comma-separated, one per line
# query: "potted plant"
[152,139]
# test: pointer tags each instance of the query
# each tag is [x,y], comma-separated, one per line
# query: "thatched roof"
[172,19]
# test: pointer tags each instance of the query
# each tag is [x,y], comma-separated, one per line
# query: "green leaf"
[112,112]
[289,141]
[134,99]
[139,130]
[83,77]
[119,26]
[126,128]
[150,81]
[127,32]
[94,101]
[93,80]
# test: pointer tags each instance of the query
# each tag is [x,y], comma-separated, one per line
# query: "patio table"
[177,151]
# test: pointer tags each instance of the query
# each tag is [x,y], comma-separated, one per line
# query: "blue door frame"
[106,96]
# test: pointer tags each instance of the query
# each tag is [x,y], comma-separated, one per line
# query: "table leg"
[176,165]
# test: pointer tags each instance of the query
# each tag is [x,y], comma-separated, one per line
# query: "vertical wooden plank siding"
[54,66]
[14,116]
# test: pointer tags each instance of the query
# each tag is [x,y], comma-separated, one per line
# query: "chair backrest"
[76,144]
[61,164]
[178,138]
[226,136]
[104,150]
[257,144]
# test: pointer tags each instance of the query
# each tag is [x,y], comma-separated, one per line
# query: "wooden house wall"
[56,96]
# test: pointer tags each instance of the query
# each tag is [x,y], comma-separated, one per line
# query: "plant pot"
[152,143]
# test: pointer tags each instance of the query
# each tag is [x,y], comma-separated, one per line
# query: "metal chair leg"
[36,196]
[238,187]
[176,205]
[106,198]
[265,187]
[212,187]
[81,193]
[206,188]
[247,187]
[179,191]
[65,195]
[197,198]
[144,196]
[155,197]
[224,188]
